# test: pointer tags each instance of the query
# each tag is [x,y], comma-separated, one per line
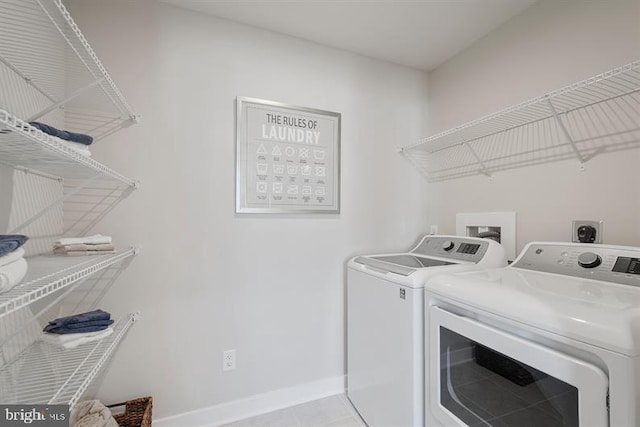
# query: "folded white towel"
[91,413]
[96,239]
[83,247]
[74,340]
[67,338]
[11,274]
[11,257]
[82,253]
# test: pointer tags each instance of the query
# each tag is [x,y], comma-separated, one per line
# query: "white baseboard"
[255,405]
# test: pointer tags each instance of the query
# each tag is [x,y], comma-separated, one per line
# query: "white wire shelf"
[24,147]
[50,273]
[47,374]
[48,61]
[579,121]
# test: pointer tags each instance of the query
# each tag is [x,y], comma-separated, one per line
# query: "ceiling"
[415,33]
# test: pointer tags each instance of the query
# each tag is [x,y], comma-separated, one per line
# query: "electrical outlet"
[586,231]
[229,360]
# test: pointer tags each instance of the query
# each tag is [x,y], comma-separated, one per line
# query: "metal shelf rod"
[532,102]
[53,273]
[565,132]
[59,104]
[27,79]
[51,205]
[598,114]
[483,167]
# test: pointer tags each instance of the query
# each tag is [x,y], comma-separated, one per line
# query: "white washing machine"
[551,340]
[385,323]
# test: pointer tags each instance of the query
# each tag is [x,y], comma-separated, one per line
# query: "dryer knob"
[589,260]
[447,245]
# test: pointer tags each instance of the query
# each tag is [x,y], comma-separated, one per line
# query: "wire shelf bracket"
[483,168]
[61,103]
[26,78]
[48,208]
[565,132]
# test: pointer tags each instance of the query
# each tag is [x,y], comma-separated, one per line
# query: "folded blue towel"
[63,134]
[80,327]
[90,316]
[11,242]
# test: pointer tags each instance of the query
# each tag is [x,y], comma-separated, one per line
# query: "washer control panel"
[617,264]
[457,248]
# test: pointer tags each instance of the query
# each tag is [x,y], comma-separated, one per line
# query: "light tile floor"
[333,411]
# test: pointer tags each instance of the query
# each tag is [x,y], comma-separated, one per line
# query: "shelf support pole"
[27,80]
[111,194]
[483,168]
[56,202]
[565,132]
[58,104]
[35,316]
[100,363]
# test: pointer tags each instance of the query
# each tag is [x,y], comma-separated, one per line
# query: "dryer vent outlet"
[487,232]
[498,226]
[586,231]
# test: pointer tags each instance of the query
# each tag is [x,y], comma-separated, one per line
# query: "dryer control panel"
[627,265]
[616,264]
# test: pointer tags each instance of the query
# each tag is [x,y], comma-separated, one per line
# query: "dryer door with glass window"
[482,376]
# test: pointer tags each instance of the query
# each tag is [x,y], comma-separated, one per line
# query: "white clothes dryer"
[385,323]
[551,340]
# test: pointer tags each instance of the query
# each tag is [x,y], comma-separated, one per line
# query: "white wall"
[208,280]
[552,44]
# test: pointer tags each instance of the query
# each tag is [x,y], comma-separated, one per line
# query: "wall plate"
[596,225]
[471,224]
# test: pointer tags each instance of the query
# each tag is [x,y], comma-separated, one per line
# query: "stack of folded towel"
[89,245]
[72,331]
[13,266]
[78,142]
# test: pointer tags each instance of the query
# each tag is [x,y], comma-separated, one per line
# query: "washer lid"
[409,260]
[595,312]
[403,264]
[433,255]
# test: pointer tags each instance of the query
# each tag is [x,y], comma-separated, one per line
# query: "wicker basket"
[137,412]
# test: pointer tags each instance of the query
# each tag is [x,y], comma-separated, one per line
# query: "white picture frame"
[287,158]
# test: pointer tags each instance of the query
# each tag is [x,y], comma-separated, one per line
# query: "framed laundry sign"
[287,158]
